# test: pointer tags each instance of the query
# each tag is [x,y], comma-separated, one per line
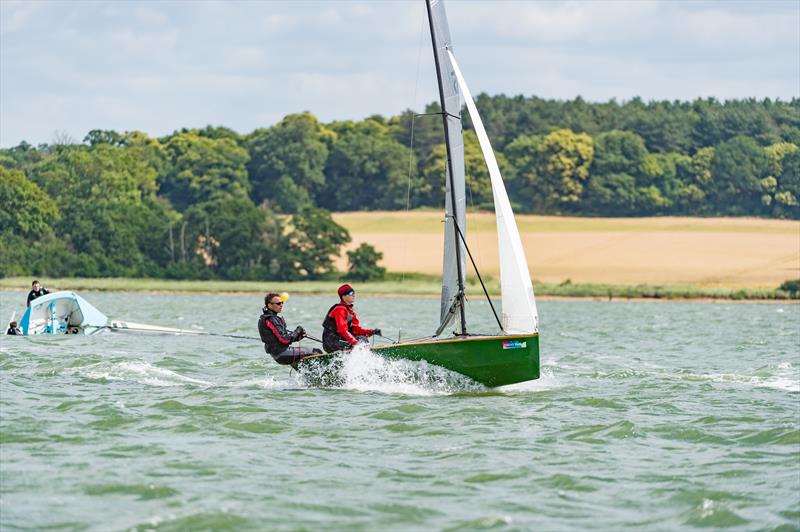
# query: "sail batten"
[454,259]
[519,314]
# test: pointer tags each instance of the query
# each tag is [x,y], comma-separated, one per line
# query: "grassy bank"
[398,284]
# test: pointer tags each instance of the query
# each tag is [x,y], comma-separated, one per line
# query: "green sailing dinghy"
[512,355]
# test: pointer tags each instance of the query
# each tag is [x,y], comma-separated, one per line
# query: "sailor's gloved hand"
[376,332]
[299,333]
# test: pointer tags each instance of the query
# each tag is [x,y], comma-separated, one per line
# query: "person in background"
[13,329]
[341,330]
[276,338]
[37,291]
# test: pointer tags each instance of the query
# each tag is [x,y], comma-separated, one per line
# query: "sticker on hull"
[514,344]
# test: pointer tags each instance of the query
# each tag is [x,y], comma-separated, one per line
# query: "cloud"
[160,66]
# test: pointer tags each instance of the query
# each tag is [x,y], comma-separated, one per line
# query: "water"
[647,416]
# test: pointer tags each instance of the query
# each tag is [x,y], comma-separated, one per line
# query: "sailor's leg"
[293,354]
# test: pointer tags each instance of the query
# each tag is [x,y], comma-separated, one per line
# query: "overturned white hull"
[62,313]
[68,313]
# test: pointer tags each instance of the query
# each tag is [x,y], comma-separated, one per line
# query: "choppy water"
[648,416]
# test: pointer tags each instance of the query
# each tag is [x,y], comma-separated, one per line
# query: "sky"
[157,66]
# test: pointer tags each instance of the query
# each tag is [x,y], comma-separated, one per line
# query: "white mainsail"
[519,305]
[451,107]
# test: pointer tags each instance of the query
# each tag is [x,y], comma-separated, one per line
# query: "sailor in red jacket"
[341,330]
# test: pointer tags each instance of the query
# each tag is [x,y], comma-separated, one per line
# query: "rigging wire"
[411,140]
[486,292]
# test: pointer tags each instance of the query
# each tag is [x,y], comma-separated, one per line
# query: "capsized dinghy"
[62,313]
[494,360]
[66,312]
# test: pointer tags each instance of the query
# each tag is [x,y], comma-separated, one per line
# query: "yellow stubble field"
[707,252]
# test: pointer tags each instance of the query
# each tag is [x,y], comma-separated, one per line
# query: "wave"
[781,376]
[267,382]
[138,371]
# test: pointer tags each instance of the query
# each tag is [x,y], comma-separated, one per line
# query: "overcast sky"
[69,67]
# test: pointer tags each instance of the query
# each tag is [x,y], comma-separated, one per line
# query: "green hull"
[490,360]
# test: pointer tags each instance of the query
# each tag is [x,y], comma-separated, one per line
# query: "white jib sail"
[519,305]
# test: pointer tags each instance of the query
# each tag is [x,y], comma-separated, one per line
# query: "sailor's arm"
[339,315]
[282,337]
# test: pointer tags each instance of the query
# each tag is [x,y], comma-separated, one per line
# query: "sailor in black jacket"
[37,291]
[276,337]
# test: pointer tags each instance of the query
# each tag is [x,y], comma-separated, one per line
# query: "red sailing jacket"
[346,321]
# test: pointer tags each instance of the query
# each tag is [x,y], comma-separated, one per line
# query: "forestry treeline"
[211,203]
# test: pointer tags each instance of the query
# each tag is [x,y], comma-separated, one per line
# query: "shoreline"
[413,287]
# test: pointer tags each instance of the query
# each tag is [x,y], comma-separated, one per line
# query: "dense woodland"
[212,203]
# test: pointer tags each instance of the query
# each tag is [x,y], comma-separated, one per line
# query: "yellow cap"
[284,296]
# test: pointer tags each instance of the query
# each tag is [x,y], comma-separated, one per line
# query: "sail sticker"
[514,344]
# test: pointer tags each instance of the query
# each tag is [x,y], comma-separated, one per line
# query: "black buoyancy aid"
[330,335]
[271,342]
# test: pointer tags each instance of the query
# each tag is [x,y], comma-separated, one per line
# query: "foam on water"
[782,376]
[138,371]
[267,383]
[365,371]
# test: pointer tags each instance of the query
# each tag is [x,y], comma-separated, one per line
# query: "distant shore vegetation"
[411,284]
[212,204]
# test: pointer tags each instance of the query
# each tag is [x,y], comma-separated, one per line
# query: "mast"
[450,170]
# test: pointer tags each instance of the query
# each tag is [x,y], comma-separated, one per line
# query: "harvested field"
[709,252]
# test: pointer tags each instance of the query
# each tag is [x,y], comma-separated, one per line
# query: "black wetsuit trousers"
[293,354]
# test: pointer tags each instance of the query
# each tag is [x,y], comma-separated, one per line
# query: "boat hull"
[62,312]
[489,360]
[492,361]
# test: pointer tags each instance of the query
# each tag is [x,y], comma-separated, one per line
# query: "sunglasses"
[276,302]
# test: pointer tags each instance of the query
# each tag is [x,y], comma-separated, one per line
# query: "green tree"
[287,162]
[787,195]
[664,126]
[363,263]
[422,133]
[780,200]
[430,189]
[739,165]
[314,240]
[22,156]
[366,169]
[101,136]
[562,167]
[109,209]
[791,287]
[27,210]
[522,155]
[775,155]
[228,237]
[479,184]
[619,157]
[202,168]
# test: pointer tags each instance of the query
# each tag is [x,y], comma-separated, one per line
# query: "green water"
[648,416]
